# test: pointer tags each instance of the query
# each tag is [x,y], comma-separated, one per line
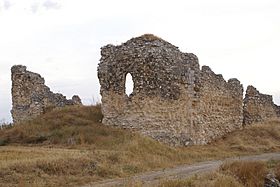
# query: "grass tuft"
[150,37]
[249,173]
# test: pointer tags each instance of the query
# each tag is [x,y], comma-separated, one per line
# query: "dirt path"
[183,171]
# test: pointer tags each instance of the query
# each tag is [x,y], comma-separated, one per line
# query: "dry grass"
[30,166]
[248,173]
[264,137]
[231,174]
[214,179]
[70,146]
[150,37]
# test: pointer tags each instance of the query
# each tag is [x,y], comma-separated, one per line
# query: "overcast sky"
[61,39]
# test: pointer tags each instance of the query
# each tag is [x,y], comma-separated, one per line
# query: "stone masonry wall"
[258,107]
[277,109]
[218,106]
[173,100]
[31,97]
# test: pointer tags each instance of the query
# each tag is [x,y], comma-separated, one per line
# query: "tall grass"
[231,174]
[248,173]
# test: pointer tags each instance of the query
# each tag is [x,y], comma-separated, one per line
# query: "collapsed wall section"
[31,97]
[258,107]
[172,98]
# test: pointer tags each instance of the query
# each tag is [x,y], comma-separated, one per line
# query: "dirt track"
[183,171]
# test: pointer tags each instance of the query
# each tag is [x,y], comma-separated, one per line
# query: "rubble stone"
[271,181]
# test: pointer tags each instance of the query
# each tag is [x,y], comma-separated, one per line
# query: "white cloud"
[47,5]
[7,4]
[51,4]
[34,7]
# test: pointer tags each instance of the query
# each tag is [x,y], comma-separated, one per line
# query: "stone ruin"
[173,100]
[258,107]
[31,97]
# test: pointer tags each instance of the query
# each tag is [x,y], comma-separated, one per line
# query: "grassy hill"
[70,146]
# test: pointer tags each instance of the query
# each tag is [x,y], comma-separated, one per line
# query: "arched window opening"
[129,84]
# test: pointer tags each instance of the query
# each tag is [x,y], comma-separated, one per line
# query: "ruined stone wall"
[31,97]
[277,109]
[173,100]
[258,107]
[218,106]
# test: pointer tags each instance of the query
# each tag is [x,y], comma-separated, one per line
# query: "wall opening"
[129,84]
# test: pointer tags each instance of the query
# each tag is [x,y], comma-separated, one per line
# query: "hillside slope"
[70,146]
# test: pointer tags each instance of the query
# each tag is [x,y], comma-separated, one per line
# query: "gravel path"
[183,171]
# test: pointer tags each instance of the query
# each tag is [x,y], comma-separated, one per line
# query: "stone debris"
[31,97]
[173,100]
[271,181]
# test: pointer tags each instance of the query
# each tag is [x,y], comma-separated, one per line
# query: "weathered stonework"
[218,106]
[31,97]
[258,107]
[173,100]
[277,109]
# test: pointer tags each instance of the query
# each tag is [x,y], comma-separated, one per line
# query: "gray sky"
[61,39]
